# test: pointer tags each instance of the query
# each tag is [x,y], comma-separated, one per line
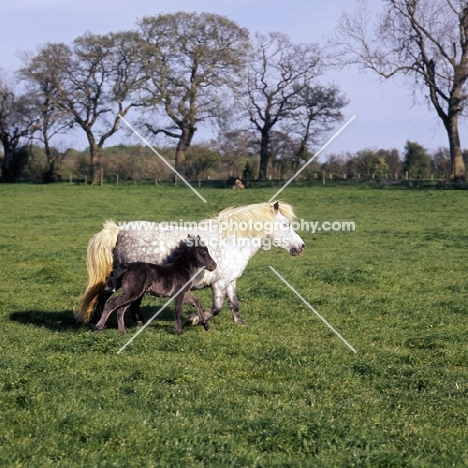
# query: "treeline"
[206,162]
[171,75]
[416,162]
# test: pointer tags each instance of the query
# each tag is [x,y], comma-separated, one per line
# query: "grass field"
[282,391]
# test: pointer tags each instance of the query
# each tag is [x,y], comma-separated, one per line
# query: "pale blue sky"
[386,113]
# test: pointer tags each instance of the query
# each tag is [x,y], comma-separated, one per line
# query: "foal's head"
[197,253]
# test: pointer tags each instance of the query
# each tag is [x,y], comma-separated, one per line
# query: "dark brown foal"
[138,279]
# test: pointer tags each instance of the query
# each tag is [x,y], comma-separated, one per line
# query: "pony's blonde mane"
[232,219]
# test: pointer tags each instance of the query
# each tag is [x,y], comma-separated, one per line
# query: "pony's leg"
[219,293]
[97,313]
[193,300]
[135,311]
[233,302]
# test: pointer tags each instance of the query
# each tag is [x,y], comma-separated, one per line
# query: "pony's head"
[195,251]
[283,234]
[265,220]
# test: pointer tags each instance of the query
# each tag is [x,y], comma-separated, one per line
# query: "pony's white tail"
[99,260]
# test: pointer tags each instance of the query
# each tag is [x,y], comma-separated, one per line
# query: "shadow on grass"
[57,321]
[65,321]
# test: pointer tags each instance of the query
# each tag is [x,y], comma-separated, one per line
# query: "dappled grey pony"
[232,238]
[175,278]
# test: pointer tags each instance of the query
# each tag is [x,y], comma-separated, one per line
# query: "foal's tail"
[99,260]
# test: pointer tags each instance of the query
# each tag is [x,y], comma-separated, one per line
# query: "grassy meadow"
[283,391]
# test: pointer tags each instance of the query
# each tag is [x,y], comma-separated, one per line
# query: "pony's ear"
[276,207]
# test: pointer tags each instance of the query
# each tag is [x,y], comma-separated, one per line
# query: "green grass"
[283,391]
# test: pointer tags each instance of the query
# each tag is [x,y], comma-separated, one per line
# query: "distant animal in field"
[238,185]
[139,278]
[233,237]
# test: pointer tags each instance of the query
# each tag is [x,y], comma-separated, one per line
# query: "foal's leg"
[233,302]
[120,319]
[137,316]
[179,308]
[112,304]
[124,299]
[193,300]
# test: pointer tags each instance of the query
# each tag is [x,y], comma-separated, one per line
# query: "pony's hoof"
[192,320]
[239,321]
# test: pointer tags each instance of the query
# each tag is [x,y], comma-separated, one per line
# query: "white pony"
[232,238]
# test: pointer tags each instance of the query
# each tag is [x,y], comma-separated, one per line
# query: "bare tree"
[192,61]
[279,70]
[425,40]
[317,109]
[18,121]
[52,121]
[92,81]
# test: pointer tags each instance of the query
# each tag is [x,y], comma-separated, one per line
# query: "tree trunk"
[456,156]
[184,142]
[51,175]
[95,160]
[7,170]
[7,160]
[301,151]
[264,157]
[13,161]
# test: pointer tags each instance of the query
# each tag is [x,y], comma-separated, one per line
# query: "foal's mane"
[177,253]
[181,248]
[248,215]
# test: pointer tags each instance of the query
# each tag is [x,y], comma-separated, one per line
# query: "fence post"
[102,176]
